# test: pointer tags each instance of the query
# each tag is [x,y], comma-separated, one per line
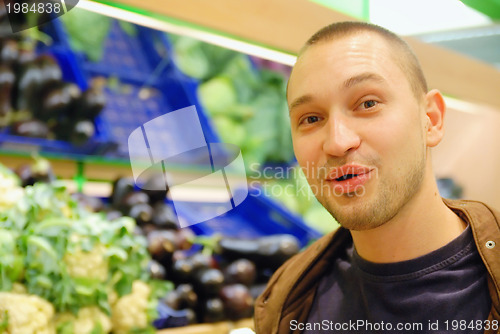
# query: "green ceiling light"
[487,7]
[355,8]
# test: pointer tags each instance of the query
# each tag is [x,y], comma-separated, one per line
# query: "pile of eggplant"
[36,102]
[216,277]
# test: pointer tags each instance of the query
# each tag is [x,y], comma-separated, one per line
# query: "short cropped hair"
[405,58]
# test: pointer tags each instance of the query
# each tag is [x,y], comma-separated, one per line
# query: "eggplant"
[202,261]
[208,282]
[91,103]
[186,269]
[122,186]
[113,214]
[173,300]
[90,203]
[179,255]
[187,295]
[148,228]
[156,187]
[182,270]
[29,79]
[25,56]
[268,251]
[241,271]
[39,171]
[131,199]
[9,52]
[164,216]
[25,174]
[161,246]
[190,316]
[58,101]
[61,126]
[156,270]
[31,128]
[142,213]
[138,231]
[185,237]
[213,310]
[50,70]
[83,130]
[238,303]
[7,81]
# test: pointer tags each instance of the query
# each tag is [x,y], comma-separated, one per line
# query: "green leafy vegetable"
[87,31]
[72,258]
[247,105]
[200,60]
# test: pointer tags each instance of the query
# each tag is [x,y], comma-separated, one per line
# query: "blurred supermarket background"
[73,90]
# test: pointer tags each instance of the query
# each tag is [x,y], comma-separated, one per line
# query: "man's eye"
[369,104]
[311,119]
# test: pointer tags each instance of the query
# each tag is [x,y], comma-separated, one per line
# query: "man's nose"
[341,136]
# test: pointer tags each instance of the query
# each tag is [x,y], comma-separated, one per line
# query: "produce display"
[82,264]
[247,105]
[36,102]
[216,277]
[65,269]
[71,263]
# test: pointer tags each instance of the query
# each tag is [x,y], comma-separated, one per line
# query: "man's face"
[358,130]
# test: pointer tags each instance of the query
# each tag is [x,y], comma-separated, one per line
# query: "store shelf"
[63,167]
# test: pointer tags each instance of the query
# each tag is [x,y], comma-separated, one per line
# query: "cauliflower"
[87,319]
[10,190]
[130,311]
[91,264]
[19,289]
[26,314]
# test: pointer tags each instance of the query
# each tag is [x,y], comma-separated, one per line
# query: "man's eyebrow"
[357,79]
[300,101]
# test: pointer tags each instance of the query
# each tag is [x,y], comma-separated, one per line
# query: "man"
[404,260]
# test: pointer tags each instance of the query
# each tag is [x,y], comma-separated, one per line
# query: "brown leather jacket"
[290,292]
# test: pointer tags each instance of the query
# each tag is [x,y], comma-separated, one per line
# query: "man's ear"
[435,110]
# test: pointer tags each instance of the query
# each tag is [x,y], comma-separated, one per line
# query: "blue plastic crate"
[126,110]
[131,57]
[257,216]
[140,61]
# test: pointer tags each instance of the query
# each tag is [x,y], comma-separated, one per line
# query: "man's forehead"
[339,48]
[353,40]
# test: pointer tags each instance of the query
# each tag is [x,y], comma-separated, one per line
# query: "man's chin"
[352,211]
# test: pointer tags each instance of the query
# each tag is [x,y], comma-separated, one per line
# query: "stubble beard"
[362,213]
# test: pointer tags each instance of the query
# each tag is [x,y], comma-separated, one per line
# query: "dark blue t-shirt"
[444,291]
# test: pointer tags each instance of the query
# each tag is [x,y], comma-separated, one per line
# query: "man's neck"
[423,225]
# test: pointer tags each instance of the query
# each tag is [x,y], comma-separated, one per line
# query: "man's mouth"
[346,177]
[349,178]
[347,172]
